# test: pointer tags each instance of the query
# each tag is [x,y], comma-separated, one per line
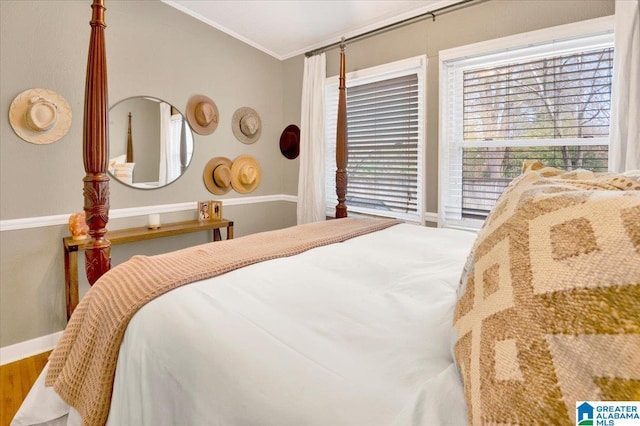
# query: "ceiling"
[287,28]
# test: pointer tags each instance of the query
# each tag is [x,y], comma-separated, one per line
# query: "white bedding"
[356,333]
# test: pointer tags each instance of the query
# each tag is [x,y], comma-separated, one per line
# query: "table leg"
[230,231]
[71,280]
[216,235]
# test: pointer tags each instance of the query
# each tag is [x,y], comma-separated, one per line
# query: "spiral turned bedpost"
[95,149]
[341,141]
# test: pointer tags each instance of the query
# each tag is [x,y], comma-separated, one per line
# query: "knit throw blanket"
[82,367]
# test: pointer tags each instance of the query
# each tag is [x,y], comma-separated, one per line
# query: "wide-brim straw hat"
[290,141]
[202,114]
[40,116]
[246,125]
[245,174]
[217,175]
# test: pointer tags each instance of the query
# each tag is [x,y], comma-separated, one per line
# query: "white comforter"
[357,333]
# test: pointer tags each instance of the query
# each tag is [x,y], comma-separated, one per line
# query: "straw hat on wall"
[245,174]
[40,116]
[246,125]
[217,175]
[202,114]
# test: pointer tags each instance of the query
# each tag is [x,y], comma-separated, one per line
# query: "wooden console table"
[121,236]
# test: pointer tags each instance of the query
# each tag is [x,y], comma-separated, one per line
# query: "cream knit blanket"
[82,367]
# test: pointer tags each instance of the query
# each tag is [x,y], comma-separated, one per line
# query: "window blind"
[566,96]
[486,172]
[384,146]
[173,150]
[549,102]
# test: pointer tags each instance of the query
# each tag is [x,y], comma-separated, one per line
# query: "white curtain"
[311,196]
[165,142]
[624,153]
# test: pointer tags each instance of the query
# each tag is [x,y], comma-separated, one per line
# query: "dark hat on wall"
[217,175]
[202,114]
[290,141]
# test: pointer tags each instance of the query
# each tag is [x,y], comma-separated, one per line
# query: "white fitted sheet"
[356,333]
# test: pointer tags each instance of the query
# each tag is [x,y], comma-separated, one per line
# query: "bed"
[271,344]
[357,321]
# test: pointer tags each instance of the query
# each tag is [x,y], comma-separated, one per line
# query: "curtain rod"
[389,27]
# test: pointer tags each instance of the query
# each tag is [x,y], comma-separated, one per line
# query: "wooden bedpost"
[95,149]
[129,158]
[341,141]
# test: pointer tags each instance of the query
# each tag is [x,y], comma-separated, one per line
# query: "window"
[544,95]
[385,133]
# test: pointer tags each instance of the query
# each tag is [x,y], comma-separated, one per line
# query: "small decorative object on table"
[154,221]
[77,226]
[204,210]
[215,208]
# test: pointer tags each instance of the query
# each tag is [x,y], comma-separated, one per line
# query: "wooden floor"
[16,380]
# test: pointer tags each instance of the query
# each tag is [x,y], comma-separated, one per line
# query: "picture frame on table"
[204,211]
[209,210]
[215,209]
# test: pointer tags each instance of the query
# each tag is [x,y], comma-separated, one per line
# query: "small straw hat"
[202,114]
[246,125]
[40,116]
[217,175]
[245,174]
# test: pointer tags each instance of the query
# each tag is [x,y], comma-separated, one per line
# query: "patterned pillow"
[549,307]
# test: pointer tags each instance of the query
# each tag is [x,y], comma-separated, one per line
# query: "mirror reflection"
[150,142]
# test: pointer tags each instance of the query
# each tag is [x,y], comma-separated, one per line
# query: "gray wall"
[478,22]
[154,50]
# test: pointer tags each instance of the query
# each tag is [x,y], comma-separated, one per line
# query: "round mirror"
[150,142]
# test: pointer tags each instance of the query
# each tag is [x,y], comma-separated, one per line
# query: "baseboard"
[431,217]
[28,348]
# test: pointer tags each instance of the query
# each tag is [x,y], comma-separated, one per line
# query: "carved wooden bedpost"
[95,149]
[341,141]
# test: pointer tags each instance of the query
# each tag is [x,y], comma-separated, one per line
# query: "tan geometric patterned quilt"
[549,307]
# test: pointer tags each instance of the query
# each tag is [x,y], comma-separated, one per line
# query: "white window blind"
[567,96]
[384,134]
[549,102]
[174,168]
